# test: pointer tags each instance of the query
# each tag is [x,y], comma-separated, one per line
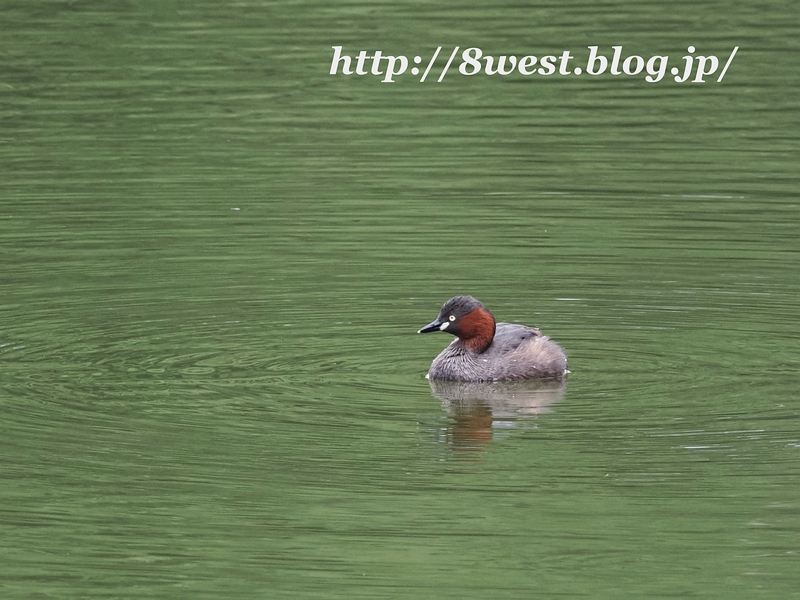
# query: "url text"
[473,61]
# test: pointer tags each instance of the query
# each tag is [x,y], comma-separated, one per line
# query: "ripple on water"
[161,366]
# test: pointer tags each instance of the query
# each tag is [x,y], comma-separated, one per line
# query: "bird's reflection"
[477,409]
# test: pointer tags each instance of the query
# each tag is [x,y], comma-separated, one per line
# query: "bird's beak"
[435,326]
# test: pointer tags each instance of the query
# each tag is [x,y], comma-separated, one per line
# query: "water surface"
[215,258]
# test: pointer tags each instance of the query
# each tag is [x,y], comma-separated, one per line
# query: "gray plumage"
[516,352]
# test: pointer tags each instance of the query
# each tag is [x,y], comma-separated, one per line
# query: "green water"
[215,257]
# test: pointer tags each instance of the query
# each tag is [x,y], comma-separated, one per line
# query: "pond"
[216,257]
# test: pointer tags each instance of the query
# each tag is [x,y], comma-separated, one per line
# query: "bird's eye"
[452,317]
